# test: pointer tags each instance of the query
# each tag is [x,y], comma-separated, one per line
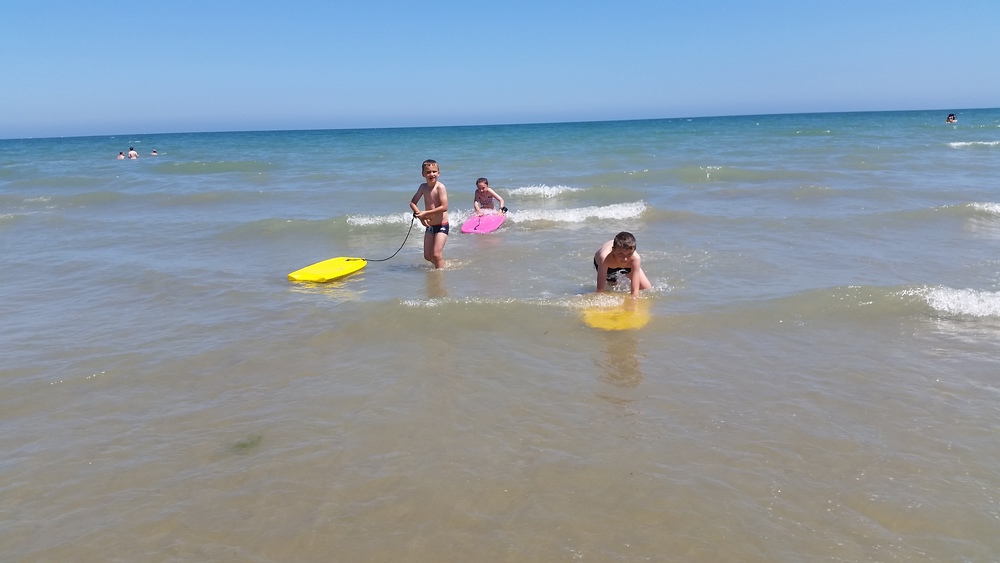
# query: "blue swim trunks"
[435,229]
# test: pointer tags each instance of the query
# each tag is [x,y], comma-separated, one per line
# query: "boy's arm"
[415,199]
[426,214]
[443,199]
[633,278]
[602,276]
[633,275]
[442,205]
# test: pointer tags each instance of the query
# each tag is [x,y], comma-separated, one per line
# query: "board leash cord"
[408,230]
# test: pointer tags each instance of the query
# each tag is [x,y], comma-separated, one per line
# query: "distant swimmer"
[951,118]
[132,154]
[153,153]
[121,155]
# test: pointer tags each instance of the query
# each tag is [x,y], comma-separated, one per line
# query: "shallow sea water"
[818,381]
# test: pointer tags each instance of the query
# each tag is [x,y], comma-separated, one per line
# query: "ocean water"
[819,380]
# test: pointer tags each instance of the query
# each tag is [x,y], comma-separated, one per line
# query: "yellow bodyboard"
[328,270]
[633,314]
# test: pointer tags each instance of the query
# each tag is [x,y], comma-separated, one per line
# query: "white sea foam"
[615,211]
[370,220]
[575,302]
[964,301]
[988,207]
[964,144]
[542,191]
[709,169]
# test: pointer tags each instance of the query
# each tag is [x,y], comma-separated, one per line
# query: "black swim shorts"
[435,229]
[613,273]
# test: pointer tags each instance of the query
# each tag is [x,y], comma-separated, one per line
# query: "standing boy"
[618,257]
[435,214]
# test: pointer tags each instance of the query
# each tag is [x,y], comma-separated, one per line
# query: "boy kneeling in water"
[618,257]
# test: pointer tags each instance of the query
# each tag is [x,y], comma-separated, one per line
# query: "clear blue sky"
[92,68]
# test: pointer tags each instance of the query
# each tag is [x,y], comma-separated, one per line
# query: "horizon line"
[507,124]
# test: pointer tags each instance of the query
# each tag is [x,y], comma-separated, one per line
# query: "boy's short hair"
[423,166]
[624,239]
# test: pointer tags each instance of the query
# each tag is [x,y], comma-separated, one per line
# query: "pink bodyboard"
[485,224]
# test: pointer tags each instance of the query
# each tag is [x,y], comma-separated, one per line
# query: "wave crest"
[970,302]
[973,144]
[616,211]
[372,220]
[987,207]
[542,191]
